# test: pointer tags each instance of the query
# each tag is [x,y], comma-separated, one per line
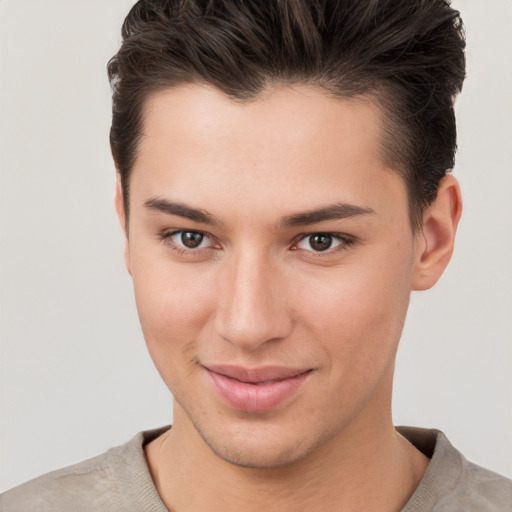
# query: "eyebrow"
[181,210]
[331,212]
[326,213]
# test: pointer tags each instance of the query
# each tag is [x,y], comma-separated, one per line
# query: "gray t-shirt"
[119,481]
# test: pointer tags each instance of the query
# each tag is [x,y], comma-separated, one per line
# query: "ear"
[121,215]
[436,239]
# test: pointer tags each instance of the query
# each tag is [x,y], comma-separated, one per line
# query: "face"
[272,259]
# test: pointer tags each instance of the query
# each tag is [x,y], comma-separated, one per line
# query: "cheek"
[357,317]
[174,305]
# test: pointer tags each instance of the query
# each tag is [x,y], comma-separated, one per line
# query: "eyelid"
[344,240]
[167,237]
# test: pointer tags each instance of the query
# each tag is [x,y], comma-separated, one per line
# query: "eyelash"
[167,238]
[345,241]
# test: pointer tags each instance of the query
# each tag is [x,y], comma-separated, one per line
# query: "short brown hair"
[407,54]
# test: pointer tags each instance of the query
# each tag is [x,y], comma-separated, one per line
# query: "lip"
[256,389]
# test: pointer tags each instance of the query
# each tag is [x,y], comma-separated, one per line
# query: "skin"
[256,293]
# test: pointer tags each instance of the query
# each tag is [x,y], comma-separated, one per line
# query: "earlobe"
[121,215]
[436,240]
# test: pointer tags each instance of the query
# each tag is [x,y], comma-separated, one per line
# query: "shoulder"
[88,482]
[451,482]
[102,483]
[479,489]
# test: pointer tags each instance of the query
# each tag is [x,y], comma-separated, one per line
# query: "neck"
[368,466]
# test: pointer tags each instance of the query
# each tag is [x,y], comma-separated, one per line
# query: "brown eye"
[191,239]
[320,241]
[323,242]
[189,242]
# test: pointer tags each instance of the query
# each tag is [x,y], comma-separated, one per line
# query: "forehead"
[291,145]
[279,118]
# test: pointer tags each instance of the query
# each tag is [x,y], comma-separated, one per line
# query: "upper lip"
[262,374]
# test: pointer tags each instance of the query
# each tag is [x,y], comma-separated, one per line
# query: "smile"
[256,390]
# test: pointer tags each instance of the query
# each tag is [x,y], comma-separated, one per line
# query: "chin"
[261,446]
[259,455]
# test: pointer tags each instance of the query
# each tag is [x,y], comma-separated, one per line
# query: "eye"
[321,242]
[189,239]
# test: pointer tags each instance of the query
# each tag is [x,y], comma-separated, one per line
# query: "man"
[282,186]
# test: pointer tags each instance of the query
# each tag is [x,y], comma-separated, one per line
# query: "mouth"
[256,389]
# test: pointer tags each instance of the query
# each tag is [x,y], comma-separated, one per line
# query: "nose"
[253,309]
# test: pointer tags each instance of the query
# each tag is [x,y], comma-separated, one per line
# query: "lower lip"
[258,397]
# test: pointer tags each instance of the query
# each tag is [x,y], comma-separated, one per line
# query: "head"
[282,186]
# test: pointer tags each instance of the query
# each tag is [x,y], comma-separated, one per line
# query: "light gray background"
[75,375]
